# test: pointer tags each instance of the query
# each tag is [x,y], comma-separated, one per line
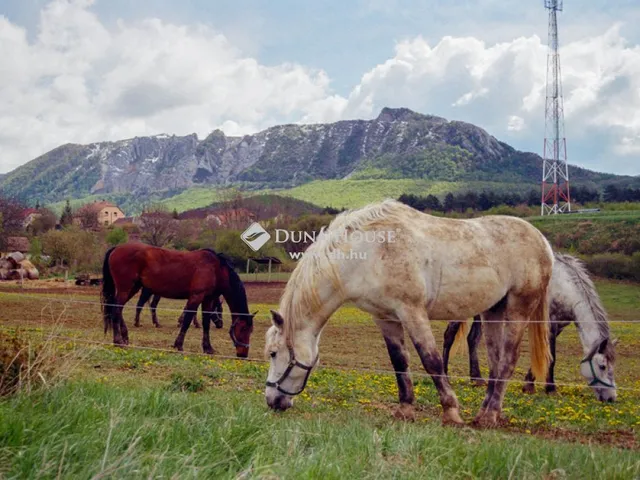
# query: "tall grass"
[96,430]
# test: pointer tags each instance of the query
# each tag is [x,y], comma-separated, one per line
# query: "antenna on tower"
[555,173]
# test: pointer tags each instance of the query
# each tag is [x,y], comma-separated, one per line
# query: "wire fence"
[361,370]
[132,305]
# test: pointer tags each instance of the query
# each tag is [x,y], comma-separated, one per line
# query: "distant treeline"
[486,200]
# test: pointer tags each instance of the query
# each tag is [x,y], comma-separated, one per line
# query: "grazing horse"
[200,277]
[572,298]
[405,267]
[146,294]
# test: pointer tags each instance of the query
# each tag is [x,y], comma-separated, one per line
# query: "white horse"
[405,267]
[572,298]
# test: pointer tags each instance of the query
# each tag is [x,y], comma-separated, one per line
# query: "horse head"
[597,367]
[287,376]
[240,332]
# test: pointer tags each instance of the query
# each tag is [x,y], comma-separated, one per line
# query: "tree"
[66,218]
[174,214]
[88,217]
[11,219]
[449,202]
[45,221]
[157,226]
[117,236]
[432,203]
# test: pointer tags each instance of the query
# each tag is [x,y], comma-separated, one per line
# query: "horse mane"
[577,270]
[300,296]
[235,283]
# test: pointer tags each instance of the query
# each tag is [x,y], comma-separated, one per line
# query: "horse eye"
[273,354]
[602,367]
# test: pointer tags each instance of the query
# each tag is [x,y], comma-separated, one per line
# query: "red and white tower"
[555,173]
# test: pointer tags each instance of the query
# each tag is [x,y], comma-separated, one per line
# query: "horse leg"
[449,337]
[188,314]
[517,316]
[154,307]
[207,307]
[417,324]
[529,385]
[493,326]
[473,340]
[145,295]
[393,334]
[550,387]
[120,330]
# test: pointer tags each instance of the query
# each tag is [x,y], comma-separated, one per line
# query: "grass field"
[344,193]
[141,413]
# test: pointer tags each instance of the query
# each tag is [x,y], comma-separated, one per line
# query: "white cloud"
[78,81]
[465,79]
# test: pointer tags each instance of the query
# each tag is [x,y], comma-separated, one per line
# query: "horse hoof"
[405,412]
[157,325]
[552,390]
[178,347]
[488,420]
[529,388]
[451,416]
[136,325]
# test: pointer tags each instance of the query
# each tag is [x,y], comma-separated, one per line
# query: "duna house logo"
[255,236]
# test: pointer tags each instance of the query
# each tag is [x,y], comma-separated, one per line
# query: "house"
[30,214]
[107,213]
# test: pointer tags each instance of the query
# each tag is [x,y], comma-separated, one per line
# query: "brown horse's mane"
[240,294]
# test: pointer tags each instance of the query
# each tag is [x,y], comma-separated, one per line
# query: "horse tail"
[539,338]
[108,294]
[461,334]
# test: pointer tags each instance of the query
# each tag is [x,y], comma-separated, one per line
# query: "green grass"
[341,193]
[132,429]
[133,413]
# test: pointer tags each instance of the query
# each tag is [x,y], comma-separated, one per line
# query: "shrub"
[117,236]
[615,266]
[26,365]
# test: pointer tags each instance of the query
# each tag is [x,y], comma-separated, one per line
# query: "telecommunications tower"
[555,174]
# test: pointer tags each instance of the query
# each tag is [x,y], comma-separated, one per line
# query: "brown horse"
[200,277]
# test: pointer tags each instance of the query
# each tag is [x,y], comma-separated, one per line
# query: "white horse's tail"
[459,338]
[539,338]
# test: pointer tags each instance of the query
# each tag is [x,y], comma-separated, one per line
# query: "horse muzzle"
[242,351]
[606,394]
[278,402]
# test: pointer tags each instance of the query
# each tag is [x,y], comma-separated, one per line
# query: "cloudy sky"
[83,71]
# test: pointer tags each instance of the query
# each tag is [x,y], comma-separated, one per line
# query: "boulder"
[16,257]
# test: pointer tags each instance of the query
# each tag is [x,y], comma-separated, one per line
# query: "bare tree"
[43,222]
[88,217]
[158,226]
[11,219]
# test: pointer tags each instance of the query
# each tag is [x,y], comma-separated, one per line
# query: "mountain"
[399,143]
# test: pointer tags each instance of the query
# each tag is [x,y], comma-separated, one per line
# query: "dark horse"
[146,294]
[200,277]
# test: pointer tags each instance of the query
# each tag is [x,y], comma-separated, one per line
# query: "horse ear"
[277,319]
[254,313]
[603,346]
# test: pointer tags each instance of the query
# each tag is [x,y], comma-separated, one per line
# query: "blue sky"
[317,61]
